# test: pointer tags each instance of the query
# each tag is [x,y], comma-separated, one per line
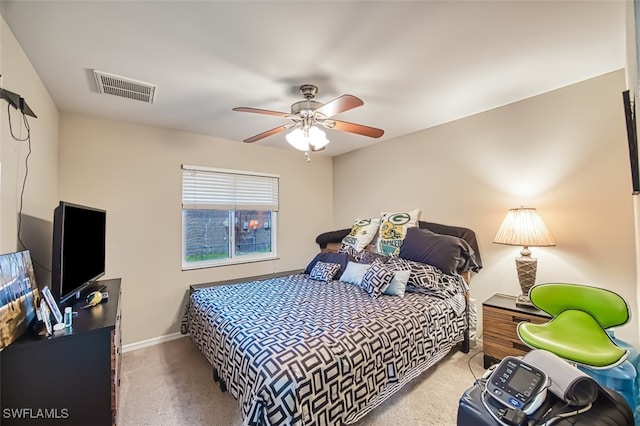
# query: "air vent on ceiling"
[124,87]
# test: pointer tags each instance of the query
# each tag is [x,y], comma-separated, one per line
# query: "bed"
[299,350]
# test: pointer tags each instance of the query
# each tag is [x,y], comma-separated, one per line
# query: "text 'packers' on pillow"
[393,228]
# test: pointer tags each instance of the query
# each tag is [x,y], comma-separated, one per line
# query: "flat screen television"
[79,242]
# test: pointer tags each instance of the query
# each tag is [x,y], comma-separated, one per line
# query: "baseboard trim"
[151,342]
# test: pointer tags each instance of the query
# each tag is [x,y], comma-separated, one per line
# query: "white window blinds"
[219,189]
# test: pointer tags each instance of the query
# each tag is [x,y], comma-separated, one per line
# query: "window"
[228,216]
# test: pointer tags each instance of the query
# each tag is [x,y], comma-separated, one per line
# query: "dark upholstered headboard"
[331,241]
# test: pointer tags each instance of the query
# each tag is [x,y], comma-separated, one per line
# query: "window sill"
[228,262]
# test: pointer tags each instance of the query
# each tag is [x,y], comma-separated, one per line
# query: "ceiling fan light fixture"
[317,138]
[302,140]
[306,115]
[297,140]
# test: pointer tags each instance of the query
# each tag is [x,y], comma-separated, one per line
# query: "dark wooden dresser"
[70,378]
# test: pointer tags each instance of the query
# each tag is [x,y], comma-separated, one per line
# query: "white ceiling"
[415,64]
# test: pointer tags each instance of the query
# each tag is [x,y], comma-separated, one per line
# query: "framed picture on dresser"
[53,306]
[18,295]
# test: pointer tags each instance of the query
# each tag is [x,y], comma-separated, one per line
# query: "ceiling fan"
[307,114]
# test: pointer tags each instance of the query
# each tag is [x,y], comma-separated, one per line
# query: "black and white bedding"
[299,351]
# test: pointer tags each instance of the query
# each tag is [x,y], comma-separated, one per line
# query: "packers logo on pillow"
[361,234]
[393,228]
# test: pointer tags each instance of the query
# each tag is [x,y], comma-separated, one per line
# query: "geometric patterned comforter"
[296,351]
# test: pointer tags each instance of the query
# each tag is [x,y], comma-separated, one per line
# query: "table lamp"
[524,227]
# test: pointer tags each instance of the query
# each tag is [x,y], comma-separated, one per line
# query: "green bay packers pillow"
[362,233]
[393,228]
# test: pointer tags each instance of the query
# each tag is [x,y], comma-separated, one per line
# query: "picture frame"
[53,306]
[46,318]
[18,296]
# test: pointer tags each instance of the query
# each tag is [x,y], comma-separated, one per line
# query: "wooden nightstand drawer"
[500,317]
[502,323]
[498,348]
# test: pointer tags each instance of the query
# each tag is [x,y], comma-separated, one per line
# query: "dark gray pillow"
[469,237]
[445,252]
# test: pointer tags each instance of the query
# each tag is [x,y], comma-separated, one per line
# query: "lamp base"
[524,301]
[526,266]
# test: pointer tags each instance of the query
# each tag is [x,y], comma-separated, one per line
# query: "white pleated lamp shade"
[524,227]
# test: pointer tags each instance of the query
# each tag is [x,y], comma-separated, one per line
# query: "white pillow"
[398,284]
[362,233]
[354,272]
[393,228]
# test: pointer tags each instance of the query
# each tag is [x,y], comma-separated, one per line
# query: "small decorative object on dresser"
[53,306]
[500,317]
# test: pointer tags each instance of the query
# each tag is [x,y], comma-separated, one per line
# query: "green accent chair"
[577,332]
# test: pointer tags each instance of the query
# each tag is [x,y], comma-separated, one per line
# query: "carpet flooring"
[171,384]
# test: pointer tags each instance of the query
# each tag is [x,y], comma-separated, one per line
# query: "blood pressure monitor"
[518,384]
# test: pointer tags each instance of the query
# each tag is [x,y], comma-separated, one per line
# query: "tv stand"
[69,378]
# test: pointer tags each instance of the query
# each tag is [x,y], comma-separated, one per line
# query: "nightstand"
[500,316]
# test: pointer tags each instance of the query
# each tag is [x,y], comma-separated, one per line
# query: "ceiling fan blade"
[360,129]
[262,111]
[314,149]
[338,105]
[265,134]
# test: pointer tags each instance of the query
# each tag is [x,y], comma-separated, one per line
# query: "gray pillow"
[445,252]
[354,273]
[398,284]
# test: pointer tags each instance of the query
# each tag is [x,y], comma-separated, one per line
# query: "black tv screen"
[79,242]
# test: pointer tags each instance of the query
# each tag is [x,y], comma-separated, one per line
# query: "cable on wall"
[26,175]
[26,167]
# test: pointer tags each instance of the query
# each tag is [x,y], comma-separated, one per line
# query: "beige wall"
[41,190]
[631,48]
[134,173]
[564,152]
